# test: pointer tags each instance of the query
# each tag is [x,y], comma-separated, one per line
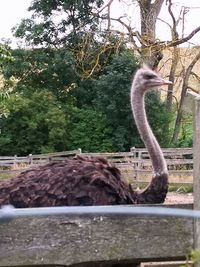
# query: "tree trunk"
[169,100]
[183,93]
[151,53]
[175,58]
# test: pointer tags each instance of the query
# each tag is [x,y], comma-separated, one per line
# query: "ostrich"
[93,180]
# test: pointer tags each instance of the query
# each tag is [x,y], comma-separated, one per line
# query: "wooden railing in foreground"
[134,165]
[94,240]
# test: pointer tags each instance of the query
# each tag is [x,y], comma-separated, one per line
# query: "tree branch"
[131,33]
[196,76]
[183,93]
[174,22]
[184,39]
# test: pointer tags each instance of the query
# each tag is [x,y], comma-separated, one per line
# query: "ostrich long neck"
[139,113]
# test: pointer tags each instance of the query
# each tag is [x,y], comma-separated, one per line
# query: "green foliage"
[5,55]
[71,25]
[113,91]
[192,259]
[52,109]
[89,130]
[91,62]
[186,133]
[58,22]
[35,124]
[33,72]
[40,124]
[195,255]
[42,68]
[182,189]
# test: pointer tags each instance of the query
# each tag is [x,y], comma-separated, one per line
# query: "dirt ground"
[179,198]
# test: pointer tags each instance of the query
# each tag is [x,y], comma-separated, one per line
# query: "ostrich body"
[91,180]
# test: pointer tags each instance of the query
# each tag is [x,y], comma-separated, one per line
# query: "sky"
[12,11]
[191,19]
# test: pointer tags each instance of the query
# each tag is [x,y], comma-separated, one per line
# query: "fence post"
[30,159]
[196,169]
[15,162]
[134,166]
[137,167]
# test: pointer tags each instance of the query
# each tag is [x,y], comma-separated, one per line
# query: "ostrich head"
[146,78]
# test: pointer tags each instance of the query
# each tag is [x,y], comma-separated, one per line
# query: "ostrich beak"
[159,82]
[165,82]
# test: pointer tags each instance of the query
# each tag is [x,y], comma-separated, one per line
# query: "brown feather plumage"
[78,181]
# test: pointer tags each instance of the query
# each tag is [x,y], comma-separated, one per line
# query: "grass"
[181,188]
[7,175]
[178,188]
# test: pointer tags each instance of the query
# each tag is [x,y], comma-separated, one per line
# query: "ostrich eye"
[149,76]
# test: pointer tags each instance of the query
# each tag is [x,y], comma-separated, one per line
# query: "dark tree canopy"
[36,123]
[60,21]
[43,68]
[5,55]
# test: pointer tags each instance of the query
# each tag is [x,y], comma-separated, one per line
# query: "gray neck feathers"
[139,113]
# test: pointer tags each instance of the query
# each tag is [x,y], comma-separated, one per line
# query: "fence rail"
[99,239]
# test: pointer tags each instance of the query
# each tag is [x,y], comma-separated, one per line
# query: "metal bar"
[8,212]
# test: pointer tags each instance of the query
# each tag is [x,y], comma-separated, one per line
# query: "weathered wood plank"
[71,240]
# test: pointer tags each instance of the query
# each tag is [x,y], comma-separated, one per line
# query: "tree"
[73,25]
[83,19]
[5,55]
[35,124]
[42,68]
[145,40]
[89,130]
[185,86]
[113,99]
[149,12]
[47,27]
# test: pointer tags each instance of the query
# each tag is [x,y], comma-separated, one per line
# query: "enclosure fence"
[8,212]
[134,165]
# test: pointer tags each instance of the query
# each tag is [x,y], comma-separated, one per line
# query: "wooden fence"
[135,165]
[95,241]
[15,164]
